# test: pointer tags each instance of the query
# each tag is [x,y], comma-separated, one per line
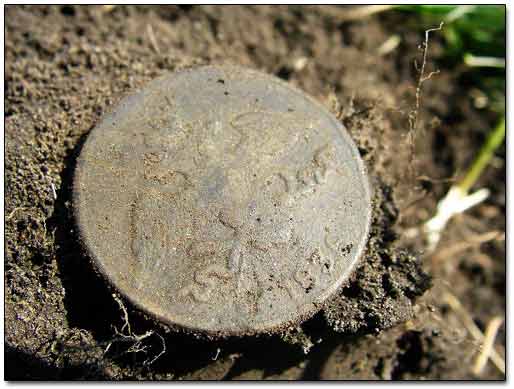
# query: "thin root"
[146,363]
[9,217]
[126,323]
[125,335]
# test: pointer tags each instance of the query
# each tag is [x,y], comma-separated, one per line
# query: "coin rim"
[308,309]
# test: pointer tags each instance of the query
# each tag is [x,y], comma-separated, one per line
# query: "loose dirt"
[66,66]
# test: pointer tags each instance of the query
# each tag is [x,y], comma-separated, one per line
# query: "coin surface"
[222,200]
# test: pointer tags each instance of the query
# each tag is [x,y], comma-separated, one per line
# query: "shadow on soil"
[88,303]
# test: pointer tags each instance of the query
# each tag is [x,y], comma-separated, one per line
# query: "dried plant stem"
[451,251]
[389,45]
[153,41]
[472,328]
[346,14]
[487,347]
[413,115]
[366,11]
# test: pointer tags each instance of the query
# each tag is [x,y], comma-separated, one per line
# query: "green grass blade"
[494,140]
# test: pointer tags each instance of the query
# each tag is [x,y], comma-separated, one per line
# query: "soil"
[68,65]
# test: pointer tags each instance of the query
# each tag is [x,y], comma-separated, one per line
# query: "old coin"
[222,200]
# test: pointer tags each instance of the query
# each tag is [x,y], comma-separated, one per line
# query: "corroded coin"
[223,201]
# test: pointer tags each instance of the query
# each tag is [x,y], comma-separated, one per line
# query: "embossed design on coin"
[228,208]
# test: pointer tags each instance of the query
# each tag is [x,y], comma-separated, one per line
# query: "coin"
[223,201]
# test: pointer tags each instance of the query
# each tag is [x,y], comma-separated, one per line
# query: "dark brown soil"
[67,65]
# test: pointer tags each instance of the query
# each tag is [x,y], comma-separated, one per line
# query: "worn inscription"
[205,282]
[247,240]
[303,181]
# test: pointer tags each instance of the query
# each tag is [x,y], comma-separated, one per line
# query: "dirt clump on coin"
[66,66]
[383,289]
